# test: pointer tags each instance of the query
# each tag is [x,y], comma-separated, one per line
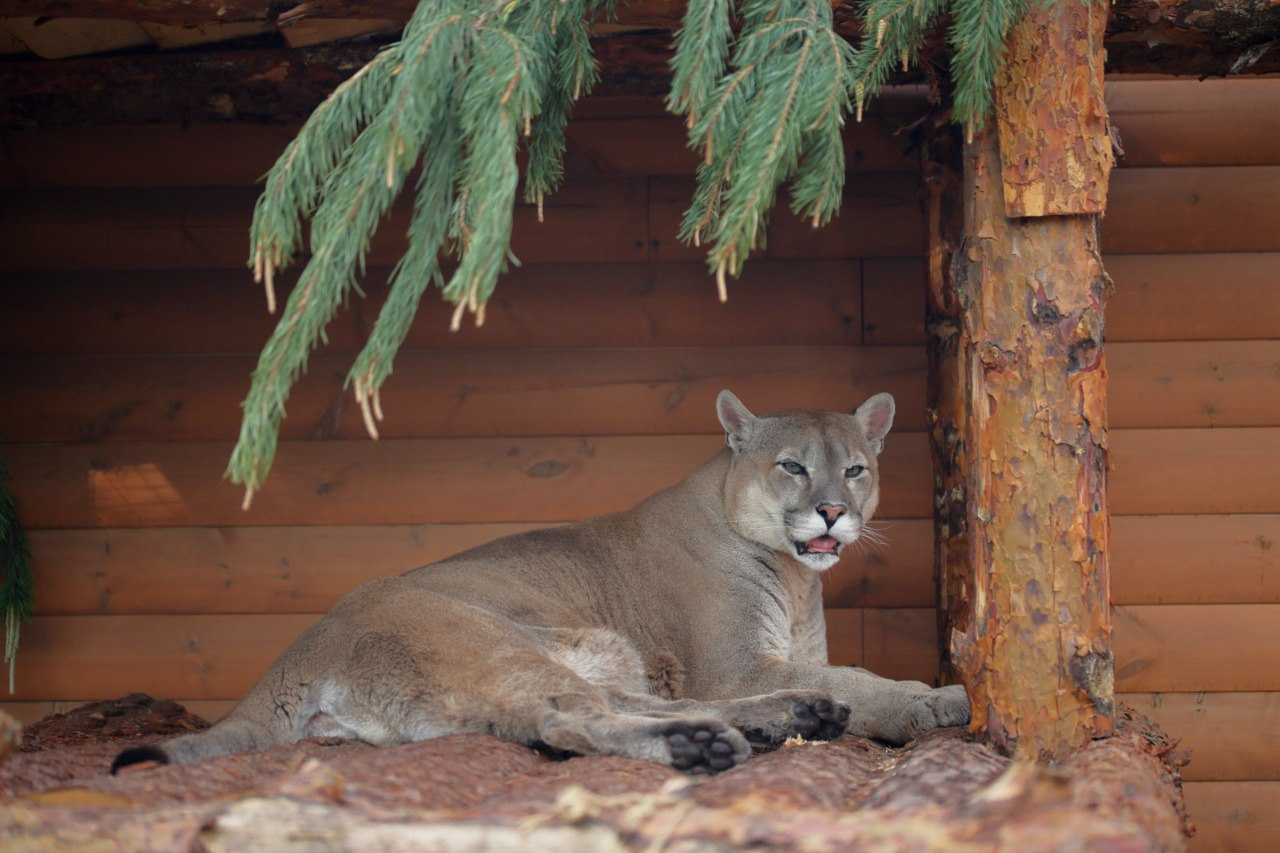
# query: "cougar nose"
[831,513]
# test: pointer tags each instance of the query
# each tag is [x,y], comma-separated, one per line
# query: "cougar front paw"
[819,719]
[770,720]
[946,706]
[701,748]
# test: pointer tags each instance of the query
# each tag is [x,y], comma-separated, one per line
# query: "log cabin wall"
[129,329]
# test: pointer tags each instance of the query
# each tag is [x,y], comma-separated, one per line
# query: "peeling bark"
[941,147]
[1055,149]
[1023,394]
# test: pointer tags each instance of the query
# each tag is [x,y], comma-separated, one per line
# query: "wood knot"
[547,468]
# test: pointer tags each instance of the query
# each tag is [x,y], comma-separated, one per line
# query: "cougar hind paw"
[705,748]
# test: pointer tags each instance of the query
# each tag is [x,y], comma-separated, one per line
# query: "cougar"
[682,631]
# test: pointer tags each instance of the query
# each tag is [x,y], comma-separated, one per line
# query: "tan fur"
[688,619]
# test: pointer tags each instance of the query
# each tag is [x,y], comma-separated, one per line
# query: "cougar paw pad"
[820,719]
[704,749]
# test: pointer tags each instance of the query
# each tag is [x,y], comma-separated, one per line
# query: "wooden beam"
[1193,37]
[1019,397]
[1207,25]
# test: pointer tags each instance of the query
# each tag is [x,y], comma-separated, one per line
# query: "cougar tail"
[228,736]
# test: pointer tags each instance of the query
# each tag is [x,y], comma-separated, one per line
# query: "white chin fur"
[818,562]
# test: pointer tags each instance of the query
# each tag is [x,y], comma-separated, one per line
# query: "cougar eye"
[795,469]
[853,472]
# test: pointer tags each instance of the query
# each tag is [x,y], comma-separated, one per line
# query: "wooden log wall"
[128,327]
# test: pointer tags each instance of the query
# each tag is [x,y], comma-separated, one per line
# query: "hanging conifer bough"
[16,597]
[470,79]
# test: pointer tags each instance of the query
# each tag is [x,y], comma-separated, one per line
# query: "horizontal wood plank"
[231,570]
[1194,647]
[1194,472]
[603,220]
[1192,209]
[1155,560]
[227,570]
[555,305]
[1182,649]
[1156,298]
[596,391]
[1240,817]
[143,484]
[589,220]
[901,643]
[1230,735]
[1204,559]
[464,392]
[1161,122]
[202,657]
[239,154]
[417,481]
[622,220]
[845,630]
[1222,122]
[879,215]
[1193,384]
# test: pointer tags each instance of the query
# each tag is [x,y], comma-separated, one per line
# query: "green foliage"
[470,79]
[767,108]
[778,109]
[977,41]
[17,600]
[465,83]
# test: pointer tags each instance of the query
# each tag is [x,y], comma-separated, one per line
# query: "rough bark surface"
[1055,142]
[1030,632]
[477,792]
[947,385]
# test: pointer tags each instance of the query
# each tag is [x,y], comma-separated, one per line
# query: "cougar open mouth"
[823,544]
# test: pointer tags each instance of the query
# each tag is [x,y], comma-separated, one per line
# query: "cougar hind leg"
[483,672]
[565,711]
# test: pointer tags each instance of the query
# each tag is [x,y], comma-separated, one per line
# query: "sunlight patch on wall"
[135,495]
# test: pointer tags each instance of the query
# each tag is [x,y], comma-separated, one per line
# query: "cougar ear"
[736,419]
[875,417]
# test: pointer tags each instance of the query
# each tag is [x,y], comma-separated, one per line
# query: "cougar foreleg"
[881,708]
[765,720]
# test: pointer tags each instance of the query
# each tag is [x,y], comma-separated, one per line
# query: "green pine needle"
[467,82]
[17,595]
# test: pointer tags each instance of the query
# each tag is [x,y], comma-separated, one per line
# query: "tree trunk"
[1018,396]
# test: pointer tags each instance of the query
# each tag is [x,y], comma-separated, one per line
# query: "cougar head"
[803,483]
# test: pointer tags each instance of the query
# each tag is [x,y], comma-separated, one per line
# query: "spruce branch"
[978,36]
[467,81]
[17,596]
[701,49]
[767,107]
[785,93]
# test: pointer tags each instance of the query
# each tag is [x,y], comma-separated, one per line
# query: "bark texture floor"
[474,792]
